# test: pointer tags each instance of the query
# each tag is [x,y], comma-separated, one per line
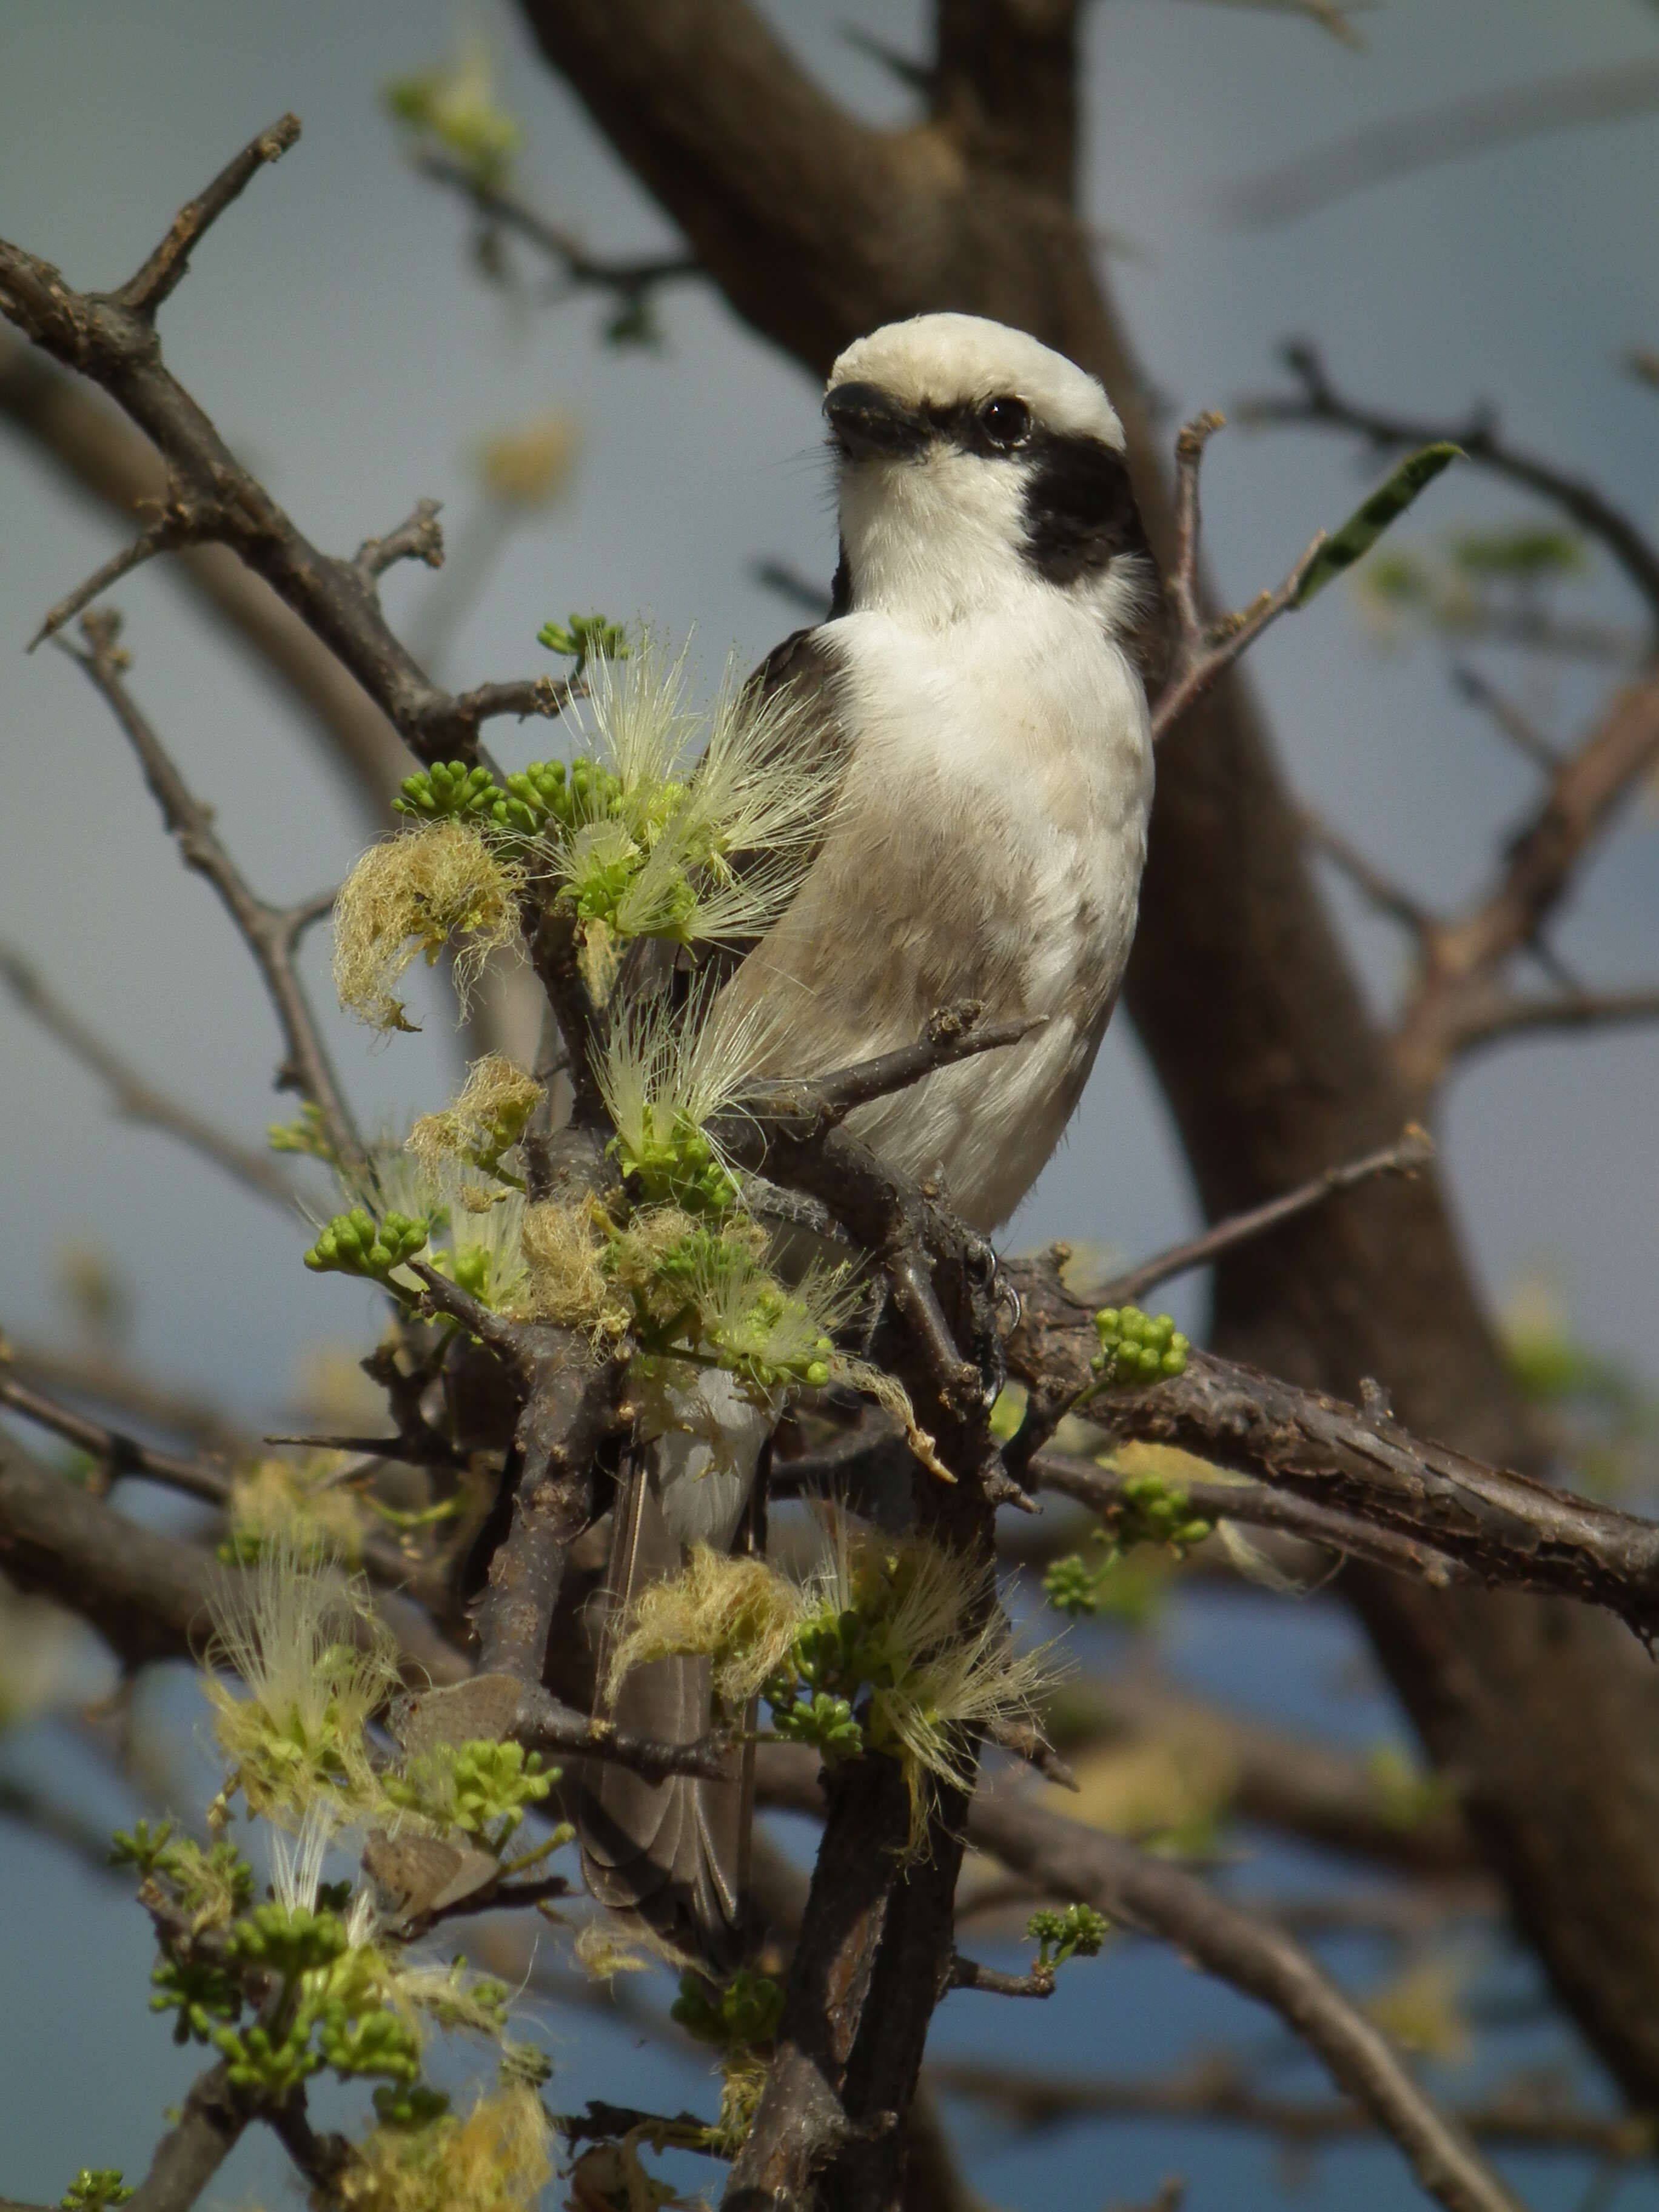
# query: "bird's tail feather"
[672,1855]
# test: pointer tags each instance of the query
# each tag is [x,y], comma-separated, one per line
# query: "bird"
[976,687]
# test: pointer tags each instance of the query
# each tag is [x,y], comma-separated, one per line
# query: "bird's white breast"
[989,845]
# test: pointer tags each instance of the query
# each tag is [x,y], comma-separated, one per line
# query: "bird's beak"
[867,424]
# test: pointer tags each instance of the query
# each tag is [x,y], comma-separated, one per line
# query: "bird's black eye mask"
[868,423]
[1080,511]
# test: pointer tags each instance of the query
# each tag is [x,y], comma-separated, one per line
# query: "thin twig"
[113,1448]
[135,1099]
[969,1974]
[1414,1150]
[1514,725]
[1513,1013]
[270,932]
[1378,890]
[1213,2094]
[1458,1000]
[149,285]
[629,280]
[419,537]
[98,1377]
[1258,1505]
[1320,402]
[1204,651]
[110,336]
[1398,145]
[818,1102]
[1129,1885]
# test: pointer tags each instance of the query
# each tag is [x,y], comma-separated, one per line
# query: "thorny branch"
[212,498]
[271,934]
[1204,651]
[137,1100]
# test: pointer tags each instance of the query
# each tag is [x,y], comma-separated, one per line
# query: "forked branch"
[212,497]
[271,934]
[1204,651]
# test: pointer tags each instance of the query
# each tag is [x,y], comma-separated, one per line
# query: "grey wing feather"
[802,664]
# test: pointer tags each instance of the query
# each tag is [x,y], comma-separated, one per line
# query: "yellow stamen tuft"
[415,893]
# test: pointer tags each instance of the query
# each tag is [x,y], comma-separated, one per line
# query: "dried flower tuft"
[416,893]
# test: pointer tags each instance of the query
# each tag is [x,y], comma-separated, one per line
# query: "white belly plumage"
[988,845]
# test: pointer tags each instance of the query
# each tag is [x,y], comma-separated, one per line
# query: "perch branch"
[1508,1530]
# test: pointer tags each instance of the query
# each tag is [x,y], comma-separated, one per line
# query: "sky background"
[334,329]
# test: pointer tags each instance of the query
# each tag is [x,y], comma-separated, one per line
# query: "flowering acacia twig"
[211,498]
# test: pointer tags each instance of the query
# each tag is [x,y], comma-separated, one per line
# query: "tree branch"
[1507,1530]
[627,281]
[1375,888]
[1275,1777]
[1128,1886]
[270,932]
[1257,1505]
[1060,1857]
[1507,716]
[111,337]
[969,1974]
[1513,1013]
[1213,2094]
[1412,1152]
[135,1099]
[119,1454]
[809,1105]
[1320,403]
[1456,1002]
[189,2155]
[1204,651]
[96,451]
[160,275]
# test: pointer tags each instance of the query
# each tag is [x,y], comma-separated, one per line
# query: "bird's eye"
[1006,423]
